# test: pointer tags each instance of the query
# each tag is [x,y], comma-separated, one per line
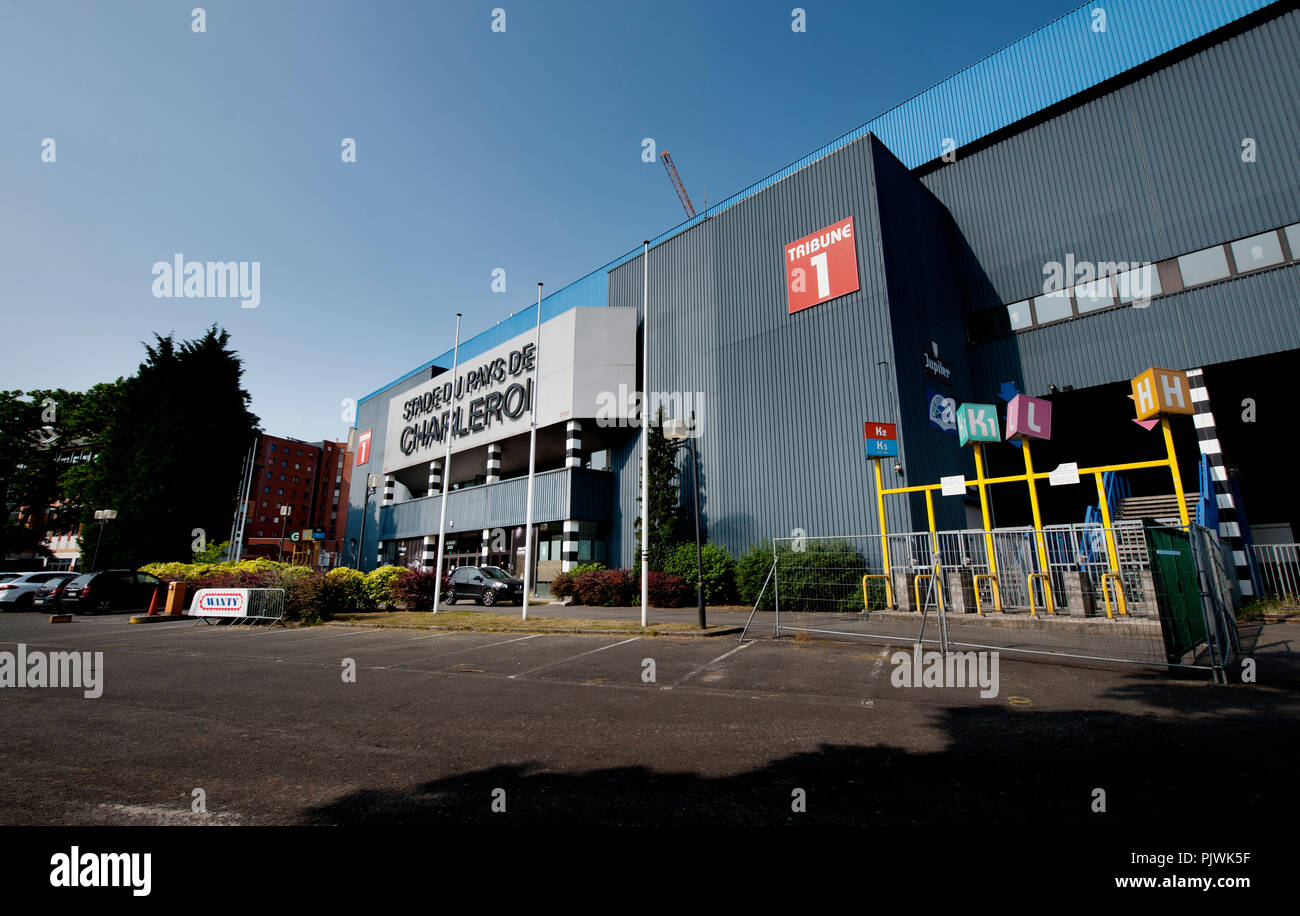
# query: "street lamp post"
[372,484]
[102,516]
[284,516]
[678,429]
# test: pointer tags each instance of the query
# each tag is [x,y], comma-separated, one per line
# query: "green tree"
[665,514]
[32,430]
[173,442]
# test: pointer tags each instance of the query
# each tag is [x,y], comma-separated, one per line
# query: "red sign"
[363,447]
[821,266]
[880,431]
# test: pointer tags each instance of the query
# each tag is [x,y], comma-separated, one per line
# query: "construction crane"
[677,183]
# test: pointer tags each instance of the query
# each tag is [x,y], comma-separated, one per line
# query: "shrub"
[751,572]
[304,601]
[587,567]
[824,576]
[605,588]
[564,584]
[668,590]
[347,586]
[414,588]
[379,584]
[719,571]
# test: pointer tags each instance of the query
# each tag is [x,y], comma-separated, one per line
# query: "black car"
[51,591]
[110,590]
[488,585]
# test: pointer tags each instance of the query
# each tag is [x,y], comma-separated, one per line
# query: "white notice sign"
[1064,474]
[953,486]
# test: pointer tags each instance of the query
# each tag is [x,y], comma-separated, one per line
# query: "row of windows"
[1142,283]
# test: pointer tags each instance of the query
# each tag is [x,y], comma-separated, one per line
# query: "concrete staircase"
[1137,507]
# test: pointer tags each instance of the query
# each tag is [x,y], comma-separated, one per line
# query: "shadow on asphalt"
[1228,761]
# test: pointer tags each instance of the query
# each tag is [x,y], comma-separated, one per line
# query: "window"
[1138,284]
[1293,240]
[1052,307]
[1256,252]
[282,477]
[295,480]
[268,473]
[300,455]
[1094,295]
[273,449]
[264,504]
[268,490]
[1204,266]
[261,533]
[309,469]
[284,464]
[1020,316]
[281,493]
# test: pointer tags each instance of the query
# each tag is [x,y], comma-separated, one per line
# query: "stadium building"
[1105,195]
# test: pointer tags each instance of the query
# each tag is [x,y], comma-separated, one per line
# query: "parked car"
[109,590]
[488,585]
[18,591]
[51,592]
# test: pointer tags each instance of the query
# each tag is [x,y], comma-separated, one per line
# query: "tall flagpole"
[532,455]
[645,435]
[446,474]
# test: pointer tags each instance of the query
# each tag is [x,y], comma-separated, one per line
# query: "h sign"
[1161,391]
[978,423]
[821,266]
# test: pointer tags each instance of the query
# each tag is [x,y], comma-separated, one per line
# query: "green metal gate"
[1178,593]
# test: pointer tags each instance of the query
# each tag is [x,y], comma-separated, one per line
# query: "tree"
[172,449]
[32,430]
[665,514]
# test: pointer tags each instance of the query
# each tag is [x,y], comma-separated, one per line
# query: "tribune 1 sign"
[821,266]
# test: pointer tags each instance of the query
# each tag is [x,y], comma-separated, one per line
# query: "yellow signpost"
[1157,392]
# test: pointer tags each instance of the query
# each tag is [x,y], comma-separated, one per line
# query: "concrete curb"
[564,631]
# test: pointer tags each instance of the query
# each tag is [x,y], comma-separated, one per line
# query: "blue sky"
[475,150]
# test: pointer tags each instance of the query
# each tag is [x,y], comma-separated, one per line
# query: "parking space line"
[743,645]
[579,655]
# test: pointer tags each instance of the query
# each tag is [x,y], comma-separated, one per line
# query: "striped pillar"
[487,535]
[569,547]
[390,482]
[573,444]
[1207,437]
[494,462]
[430,551]
[379,555]
[435,477]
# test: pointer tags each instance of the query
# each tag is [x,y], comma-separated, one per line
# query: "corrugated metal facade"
[1149,170]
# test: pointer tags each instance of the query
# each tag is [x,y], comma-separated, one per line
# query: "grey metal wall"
[566,493]
[1150,170]
[786,395]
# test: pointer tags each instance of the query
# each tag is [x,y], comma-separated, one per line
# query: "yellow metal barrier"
[1047,592]
[889,592]
[997,593]
[917,588]
[1119,593]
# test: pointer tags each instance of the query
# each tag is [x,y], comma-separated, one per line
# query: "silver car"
[18,590]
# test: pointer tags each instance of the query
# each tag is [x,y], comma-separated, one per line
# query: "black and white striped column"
[573,444]
[494,462]
[487,536]
[430,551]
[435,477]
[569,547]
[1207,437]
[390,483]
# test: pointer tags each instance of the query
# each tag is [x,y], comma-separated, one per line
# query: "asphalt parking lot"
[264,723]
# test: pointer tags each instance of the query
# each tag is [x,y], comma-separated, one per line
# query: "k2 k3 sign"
[363,447]
[821,266]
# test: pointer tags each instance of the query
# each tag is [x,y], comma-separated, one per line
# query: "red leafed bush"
[605,588]
[414,589]
[667,590]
